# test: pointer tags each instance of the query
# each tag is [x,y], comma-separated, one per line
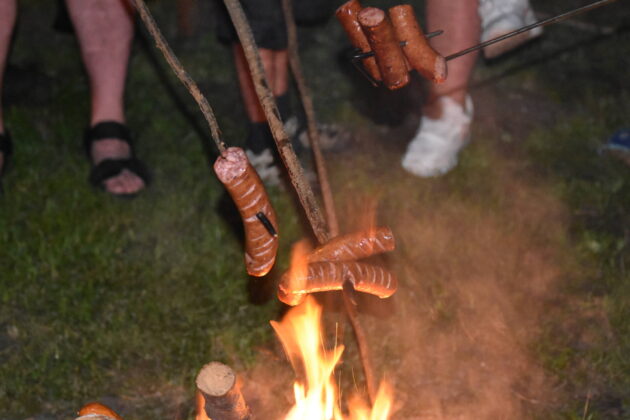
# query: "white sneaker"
[498,17]
[433,151]
[266,167]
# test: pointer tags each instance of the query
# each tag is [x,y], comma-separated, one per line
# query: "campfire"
[316,394]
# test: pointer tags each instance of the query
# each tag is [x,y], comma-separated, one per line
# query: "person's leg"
[8,12]
[461,25]
[275,63]
[105,32]
[444,127]
[498,17]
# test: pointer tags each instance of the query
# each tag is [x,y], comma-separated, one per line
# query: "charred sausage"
[389,55]
[326,276]
[355,246]
[259,219]
[347,15]
[419,53]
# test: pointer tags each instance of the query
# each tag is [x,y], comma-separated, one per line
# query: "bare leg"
[105,31]
[460,21]
[8,12]
[276,71]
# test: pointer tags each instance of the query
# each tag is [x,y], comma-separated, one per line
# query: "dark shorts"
[267,20]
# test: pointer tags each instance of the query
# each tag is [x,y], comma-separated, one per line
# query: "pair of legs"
[276,67]
[105,32]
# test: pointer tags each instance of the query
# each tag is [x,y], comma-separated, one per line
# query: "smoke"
[475,278]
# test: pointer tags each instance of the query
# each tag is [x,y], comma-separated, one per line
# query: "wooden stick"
[265,96]
[333,225]
[217,385]
[179,71]
[311,121]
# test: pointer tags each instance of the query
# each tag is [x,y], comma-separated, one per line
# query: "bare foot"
[126,182]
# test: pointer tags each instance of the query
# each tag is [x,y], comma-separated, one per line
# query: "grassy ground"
[514,301]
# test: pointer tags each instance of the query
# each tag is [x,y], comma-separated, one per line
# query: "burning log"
[97,411]
[389,55]
[221,397]
[419,53]
[347,14]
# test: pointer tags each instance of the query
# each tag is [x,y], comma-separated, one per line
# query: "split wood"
[222,396]
[327,196]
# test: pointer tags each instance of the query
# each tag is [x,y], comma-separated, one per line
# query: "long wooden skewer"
[179,71]
[294,169]
[327,197]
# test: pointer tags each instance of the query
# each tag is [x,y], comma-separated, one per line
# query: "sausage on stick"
[347,14]
[421,56]
[259,219]
[327,276]
[389,55]
[355,246]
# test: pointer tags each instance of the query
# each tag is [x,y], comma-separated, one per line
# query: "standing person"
[266,19]
[446,117]
[104,29]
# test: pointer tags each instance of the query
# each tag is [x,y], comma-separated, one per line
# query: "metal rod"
[362,55]
[544,22]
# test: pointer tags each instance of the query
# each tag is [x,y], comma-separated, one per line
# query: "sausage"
[327,276]
[355,246]
[389,55]
[259,219]
[347,16]
[421,56]
[98,409]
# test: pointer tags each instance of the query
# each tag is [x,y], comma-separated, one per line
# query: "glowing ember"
[316,396]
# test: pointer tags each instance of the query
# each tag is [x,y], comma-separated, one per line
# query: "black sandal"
[109,168]
[6,148]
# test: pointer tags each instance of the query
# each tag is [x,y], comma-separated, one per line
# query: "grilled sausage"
[259,219]
[389,55]
[98,409]
[347,16]
[355,246]
[421,56]
[326,276]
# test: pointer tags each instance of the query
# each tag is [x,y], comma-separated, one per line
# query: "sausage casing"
[347,15]
[250,197]
[327,276]
[421,56]
[355,246]
[389,55]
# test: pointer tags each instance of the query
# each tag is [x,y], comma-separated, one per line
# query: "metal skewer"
[544,22]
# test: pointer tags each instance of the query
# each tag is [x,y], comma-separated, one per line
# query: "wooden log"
[419,53]
[389,55]
[97,411]
[347,14]
[222,397]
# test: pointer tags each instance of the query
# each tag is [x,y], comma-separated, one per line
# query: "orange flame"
[316,396]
